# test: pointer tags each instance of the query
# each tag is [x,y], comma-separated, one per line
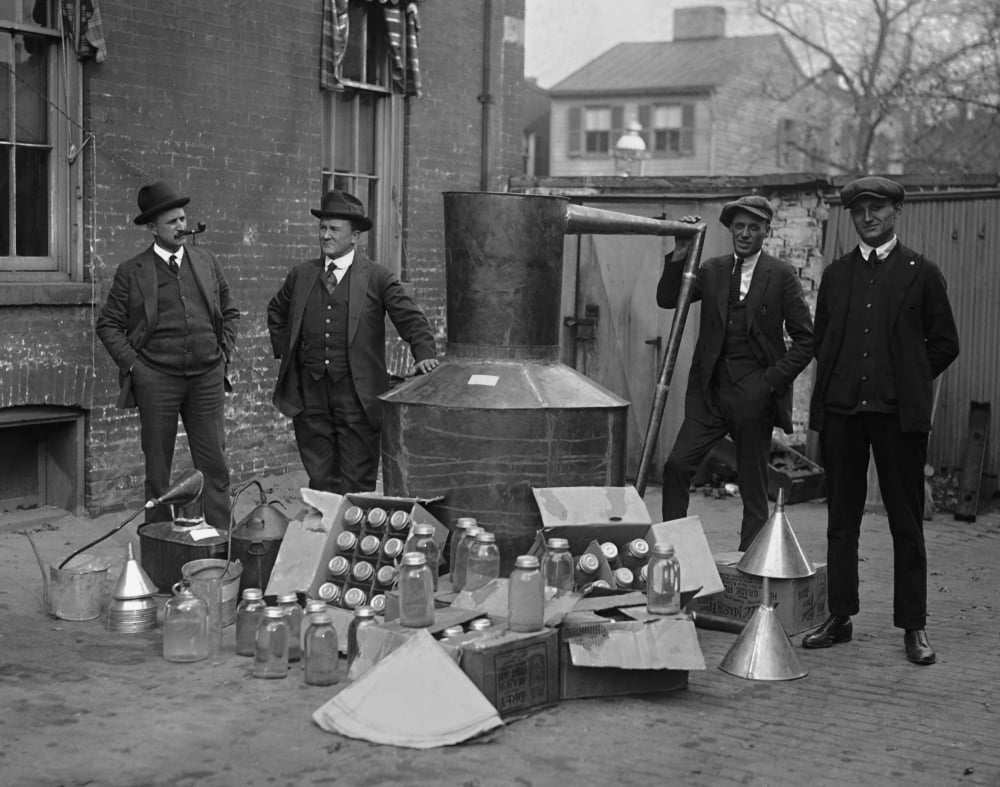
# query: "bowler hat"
[757,206]
[872,186]
[339,204]
[156,198]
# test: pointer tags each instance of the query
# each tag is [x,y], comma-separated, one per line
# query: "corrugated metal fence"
[961,232]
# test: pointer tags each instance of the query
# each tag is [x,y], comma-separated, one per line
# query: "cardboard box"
[605,657]
[300,555]
[801,603]
[518,673]
[619,515]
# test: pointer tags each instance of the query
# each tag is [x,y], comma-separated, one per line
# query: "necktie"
[873,257]
[734,281]
[174,265]
[331,276]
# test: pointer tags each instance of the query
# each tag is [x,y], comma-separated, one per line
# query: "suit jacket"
[774,303]
[923,338]
[375,291]
[129,315]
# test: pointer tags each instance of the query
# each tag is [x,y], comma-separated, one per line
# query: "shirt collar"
[882,251]
[165,255]
[748,262]
[341,263]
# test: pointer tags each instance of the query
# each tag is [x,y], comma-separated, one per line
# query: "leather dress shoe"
[918,649]
[833,631]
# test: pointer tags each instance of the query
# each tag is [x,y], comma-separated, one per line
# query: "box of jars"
[800,604]
[625,651]
[610,538]
[517,673]
[360,557]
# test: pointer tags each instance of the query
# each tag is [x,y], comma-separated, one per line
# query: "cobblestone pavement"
[86,707]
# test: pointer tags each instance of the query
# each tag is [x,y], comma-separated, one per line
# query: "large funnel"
[776,552]
[763,651]
[501,415]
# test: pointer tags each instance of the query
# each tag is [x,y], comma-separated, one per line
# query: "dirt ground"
[83,706]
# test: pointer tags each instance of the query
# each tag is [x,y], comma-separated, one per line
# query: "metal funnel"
[775,552]
[763,651]
[133,582]
[186,490]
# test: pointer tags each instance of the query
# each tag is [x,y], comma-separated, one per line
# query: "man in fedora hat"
[741,376]
[884,331]
[169,324]
[327,325]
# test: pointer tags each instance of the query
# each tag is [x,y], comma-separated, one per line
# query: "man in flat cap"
[170,324]
[884,331]
[327,325]
[741,376]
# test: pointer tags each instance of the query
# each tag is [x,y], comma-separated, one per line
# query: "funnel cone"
[763,651]
[133,582]
[776,552]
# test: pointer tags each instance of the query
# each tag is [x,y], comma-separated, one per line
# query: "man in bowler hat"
[741,376]
[170,325]
[884,331]
[327,325]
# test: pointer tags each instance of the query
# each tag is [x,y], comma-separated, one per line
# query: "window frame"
[64,109]
[684,133]
[384,241]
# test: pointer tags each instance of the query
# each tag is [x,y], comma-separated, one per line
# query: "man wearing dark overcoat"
[884,331]
[327,325]
[170,323]
[741,376]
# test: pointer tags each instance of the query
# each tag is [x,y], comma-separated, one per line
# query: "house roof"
[689,64]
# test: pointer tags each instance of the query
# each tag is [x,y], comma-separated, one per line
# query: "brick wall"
[222,100]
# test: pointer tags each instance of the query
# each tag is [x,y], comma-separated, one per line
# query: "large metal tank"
[501,414]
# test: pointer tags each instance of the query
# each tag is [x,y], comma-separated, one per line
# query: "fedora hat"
[339,204]
[753,204]
[156,198]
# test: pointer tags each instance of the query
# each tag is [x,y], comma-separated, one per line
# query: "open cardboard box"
[582,514]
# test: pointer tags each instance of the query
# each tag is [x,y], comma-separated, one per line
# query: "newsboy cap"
[753,204]
[872,186]
[339,204]
[156,198]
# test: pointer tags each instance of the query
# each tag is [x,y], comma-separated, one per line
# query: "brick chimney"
[702,21]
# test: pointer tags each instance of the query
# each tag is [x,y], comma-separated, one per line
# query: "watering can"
[76,590]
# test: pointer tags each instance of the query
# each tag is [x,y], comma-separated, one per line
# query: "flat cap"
[758,206]
[872,186]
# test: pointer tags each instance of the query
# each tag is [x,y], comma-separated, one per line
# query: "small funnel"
[763,651]
[775,552]
[133,581]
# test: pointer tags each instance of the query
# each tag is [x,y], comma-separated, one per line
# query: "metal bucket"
[200,572]
[77,592]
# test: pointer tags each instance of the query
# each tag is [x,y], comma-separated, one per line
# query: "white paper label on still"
[484,379]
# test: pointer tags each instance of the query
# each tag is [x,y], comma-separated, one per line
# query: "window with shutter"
[575,125]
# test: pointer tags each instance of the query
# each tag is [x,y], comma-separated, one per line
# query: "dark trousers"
[338,445]
[200,403]
[899,459]
[743,409]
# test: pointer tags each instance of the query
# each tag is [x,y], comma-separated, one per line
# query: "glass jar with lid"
[416,591]
[320,652]
[363,616]
[663,581]
[557,566]
[526,596]
[271,653]
[185,625]
[248,617]
[484,561]
[422,540]
[289,604]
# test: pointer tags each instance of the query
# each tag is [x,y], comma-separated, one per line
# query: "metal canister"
[346,541]
[635,554]
[610,553]
[624,577]
[362,571]
[377,517]
[339,568]
[354,517]
[399,522]
[354,598]
[386,576]
[480,624]
[378,603]
[392,548]
[370,544]
[587,567]
[329,592]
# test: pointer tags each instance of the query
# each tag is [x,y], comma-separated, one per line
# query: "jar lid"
[315,605]
[354,597]
[454,631]
[526,561]
[328,591]
[362,570]
[321,617]
[288,598]
[639,547]
[465,521]
[600,583]
[364,611]
[339,565]
[624,576]
[558,543]
[386,574]
[377,516]
[414,559]
[392,546]
[398,520]
[663,550]
[423,530]
[480,624]
[370,544]
[486,537]
[589,562]
[378,603]
[274,612]
[354,515]
[253,594]
[346,539]
[610,550]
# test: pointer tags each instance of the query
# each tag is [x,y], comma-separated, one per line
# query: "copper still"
[502,414]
